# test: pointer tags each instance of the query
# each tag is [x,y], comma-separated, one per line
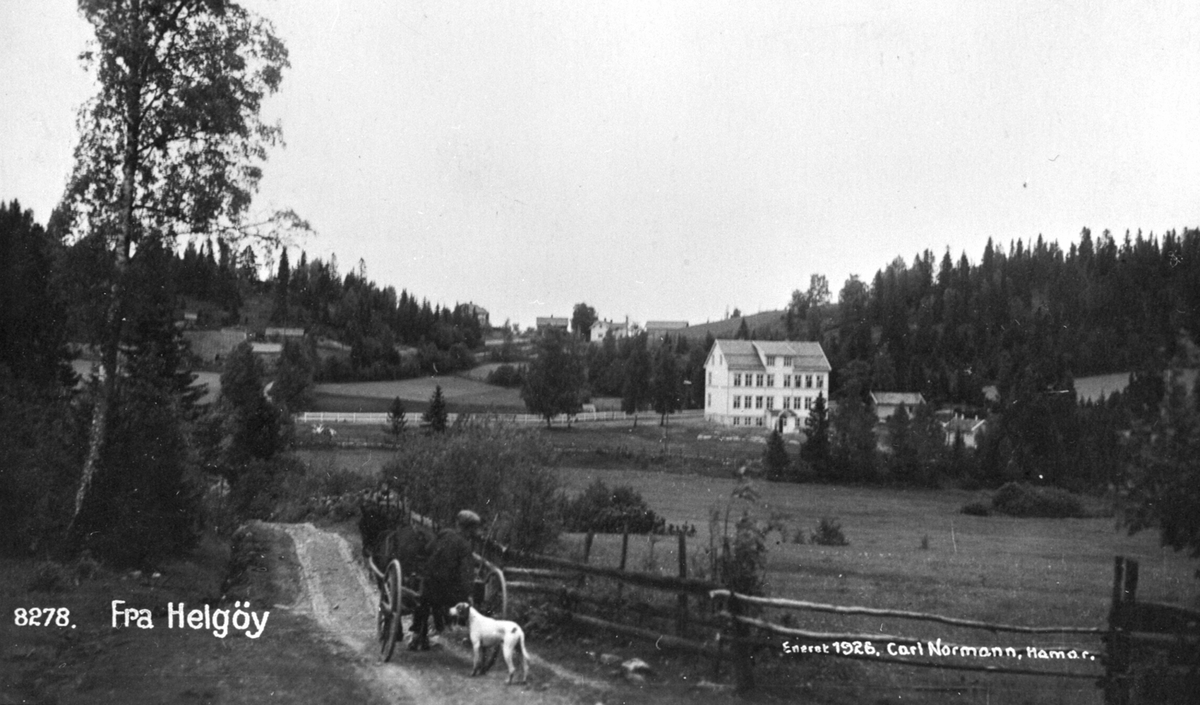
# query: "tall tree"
[635,391]
[555,378]
[667,383]
[283,281]
[582,320]
[172,143]
[1162,488]
[816,448]
[436,415]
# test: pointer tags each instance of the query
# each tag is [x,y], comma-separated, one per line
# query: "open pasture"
[461,393]
[1030,572]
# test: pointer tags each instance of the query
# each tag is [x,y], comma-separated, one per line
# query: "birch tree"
[171,145]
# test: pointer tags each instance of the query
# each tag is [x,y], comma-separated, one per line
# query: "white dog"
[493,634]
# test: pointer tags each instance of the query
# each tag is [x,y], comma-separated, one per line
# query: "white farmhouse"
[764,383]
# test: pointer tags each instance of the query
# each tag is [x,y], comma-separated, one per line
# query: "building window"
[737,402]
[770,403]
[787,360]
[710,379]
[770,360]
[758,380]
[737,380]
[758,402]
[797,381]
[758,421]
[787,380]
[708,402]
[770,380]
[820,381]
[808,381]
[807,403]
[737,421]
[787,402]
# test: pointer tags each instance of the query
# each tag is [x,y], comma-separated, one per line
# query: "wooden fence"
[381,419]
[1149,653]
[1154,649]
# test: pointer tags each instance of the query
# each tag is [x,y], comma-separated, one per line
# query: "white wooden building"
[764,383]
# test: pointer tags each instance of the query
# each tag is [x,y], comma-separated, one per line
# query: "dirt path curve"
[338,594]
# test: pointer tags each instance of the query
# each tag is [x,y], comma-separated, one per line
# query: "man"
[450,572]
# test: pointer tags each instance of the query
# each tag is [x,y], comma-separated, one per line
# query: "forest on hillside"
[947,328]
[372,320]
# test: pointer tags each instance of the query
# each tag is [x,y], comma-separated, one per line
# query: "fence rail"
[381,418]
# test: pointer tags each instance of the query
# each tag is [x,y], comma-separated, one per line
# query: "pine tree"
[816,448]
[436,416]
[775,458]
[396,417]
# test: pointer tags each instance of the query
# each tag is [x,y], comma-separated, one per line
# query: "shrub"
[829,533]
[506,376]
[978,509]
[1022,500]
[611,511]
[496,470]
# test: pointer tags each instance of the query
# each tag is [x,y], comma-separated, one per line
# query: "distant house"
[284,333]
[886,403]
[213,346]
[601,329]
[481,314]
[764,383]
[657,329]
[545,323]
[968,428]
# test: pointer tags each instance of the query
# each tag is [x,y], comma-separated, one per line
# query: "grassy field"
[908,550]
[1034,572]
[461,393]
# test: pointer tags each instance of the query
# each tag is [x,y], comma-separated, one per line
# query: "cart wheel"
[495,595]
[389,610]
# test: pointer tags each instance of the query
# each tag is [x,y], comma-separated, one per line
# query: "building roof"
[961,424]
[666,325]
[543,321]
[751,354]
[909,399]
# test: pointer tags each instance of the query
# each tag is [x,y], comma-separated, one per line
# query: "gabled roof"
[666,325]
[960,424]
[751,354]
[909,399]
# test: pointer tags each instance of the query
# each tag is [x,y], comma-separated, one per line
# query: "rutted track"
[342,600]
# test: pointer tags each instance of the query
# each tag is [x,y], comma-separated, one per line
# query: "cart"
[400,594]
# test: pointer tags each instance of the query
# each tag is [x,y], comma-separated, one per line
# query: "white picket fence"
[379,418]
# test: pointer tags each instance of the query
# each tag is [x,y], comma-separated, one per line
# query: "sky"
[674,161]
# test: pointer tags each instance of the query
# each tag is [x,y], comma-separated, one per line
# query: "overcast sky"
[677,160]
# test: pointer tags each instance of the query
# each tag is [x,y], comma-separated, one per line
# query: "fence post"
[1118,679]
[681,617]
[743,665]
[624,554]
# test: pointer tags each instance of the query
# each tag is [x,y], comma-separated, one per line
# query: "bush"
[829,533]
[1022,500]
[978,509]
[507,376]
[611,511]
[498,471]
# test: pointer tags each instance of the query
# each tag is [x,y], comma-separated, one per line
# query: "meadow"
[907,549]
[461,393]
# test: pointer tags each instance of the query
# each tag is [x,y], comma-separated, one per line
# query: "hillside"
[766,324]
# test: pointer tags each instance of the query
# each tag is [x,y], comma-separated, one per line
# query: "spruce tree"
[436,415]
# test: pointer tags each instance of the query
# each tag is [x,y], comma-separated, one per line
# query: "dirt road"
[340,597]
